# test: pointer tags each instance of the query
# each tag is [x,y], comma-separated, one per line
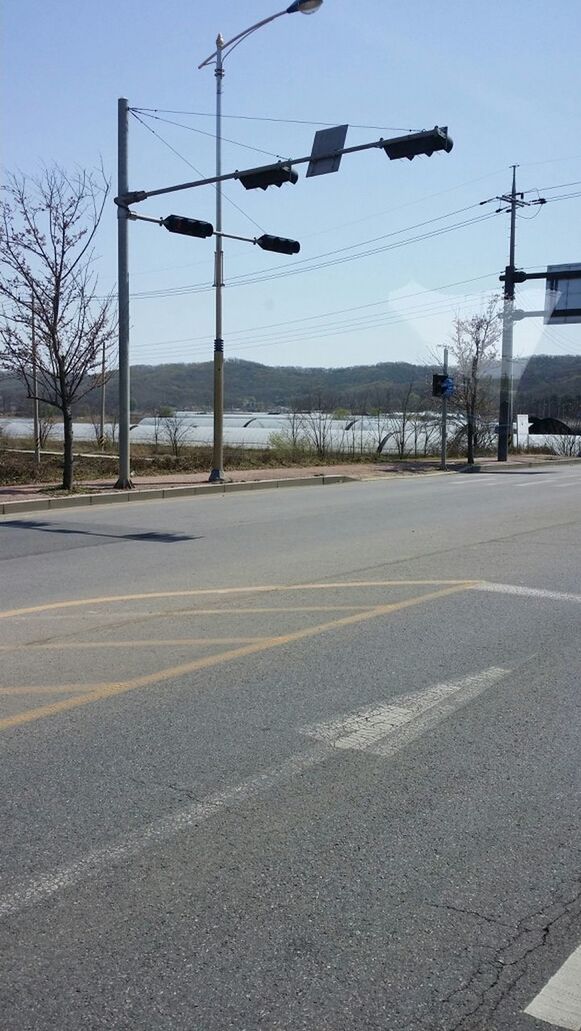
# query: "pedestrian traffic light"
[415,143]
[268,175]
[442,385]
[278,244]
[187,226]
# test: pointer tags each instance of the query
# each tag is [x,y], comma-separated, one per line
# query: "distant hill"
[549,386]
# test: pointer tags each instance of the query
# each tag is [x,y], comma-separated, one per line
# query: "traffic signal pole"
[505,404]
[124,477]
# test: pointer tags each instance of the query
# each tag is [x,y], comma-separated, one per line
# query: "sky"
[391,252]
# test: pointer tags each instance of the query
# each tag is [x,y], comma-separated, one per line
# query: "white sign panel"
[522,431]
[563,296]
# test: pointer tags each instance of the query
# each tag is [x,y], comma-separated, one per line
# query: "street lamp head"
[304,6]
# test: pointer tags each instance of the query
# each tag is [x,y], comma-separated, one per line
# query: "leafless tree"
[50,314]
[398,423]
[294,429]
[318,426]
[474,349]
[46,421]
[566,445]
[176,430]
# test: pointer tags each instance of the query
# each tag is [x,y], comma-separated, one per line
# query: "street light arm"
[241,35]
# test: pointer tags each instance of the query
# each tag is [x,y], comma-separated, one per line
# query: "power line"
[273,273]
[321,333]
[564,196]
[262,118]
[329,314]
[201,132]
[559,186]
[193,167]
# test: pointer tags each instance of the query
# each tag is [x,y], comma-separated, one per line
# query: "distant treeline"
[549,386]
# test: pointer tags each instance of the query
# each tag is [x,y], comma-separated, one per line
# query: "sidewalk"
[163,484]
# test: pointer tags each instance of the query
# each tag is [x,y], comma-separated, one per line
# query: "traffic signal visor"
[416,143]
[279,244]
[188,226]
[268,175]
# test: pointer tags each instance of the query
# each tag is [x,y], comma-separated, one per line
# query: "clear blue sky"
[505,77]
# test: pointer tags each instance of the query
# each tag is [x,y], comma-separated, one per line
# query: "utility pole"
[124,478]
[102,419]
[34,388]
[217,473]
[505,406]
[509,316]
[444,416]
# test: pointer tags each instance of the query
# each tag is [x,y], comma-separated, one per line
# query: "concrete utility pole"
[35,388]
[102,418]
[444,445]
[505,406]
[217,473]
[124,478]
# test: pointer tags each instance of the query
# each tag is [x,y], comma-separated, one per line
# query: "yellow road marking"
[104,599]
[98,692]
[143,643]
[51,689]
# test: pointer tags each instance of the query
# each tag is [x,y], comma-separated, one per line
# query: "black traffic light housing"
[188,226]
[268,175]
[279,244]
[442,385]
[416,143]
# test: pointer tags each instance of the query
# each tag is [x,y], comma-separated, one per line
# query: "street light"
[281,174]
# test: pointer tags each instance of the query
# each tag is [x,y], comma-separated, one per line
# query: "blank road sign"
[325,143]
[563,296]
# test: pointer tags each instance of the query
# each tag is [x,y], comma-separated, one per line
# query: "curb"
[165,493]
[503,467]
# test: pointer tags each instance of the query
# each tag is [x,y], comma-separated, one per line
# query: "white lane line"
[527,592]
[559,1002]
[411,715]
[386,729]
[29,893]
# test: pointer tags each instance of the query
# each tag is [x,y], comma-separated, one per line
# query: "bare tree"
[399,422]
[51,316]
[566,445]
[176,431]
[46,421]
[473,348]
[318,426]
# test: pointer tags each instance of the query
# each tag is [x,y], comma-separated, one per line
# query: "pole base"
[216,476]
[124,485]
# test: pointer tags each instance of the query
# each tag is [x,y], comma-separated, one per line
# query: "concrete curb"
[165,493]
[504,467]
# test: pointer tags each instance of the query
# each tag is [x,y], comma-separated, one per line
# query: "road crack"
[495,978]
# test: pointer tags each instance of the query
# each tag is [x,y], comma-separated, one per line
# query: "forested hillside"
[549,385]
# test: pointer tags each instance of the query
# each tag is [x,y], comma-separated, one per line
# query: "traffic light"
[416,143]
[268,175]
[188,226]
[442,385]
[278,244]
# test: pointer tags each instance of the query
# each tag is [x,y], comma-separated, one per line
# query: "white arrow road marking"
[385,729]
[559,1002]
[527,592]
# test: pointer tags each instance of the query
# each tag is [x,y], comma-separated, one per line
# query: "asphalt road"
[295,759]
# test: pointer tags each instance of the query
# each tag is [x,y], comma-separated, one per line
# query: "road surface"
[295,759]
